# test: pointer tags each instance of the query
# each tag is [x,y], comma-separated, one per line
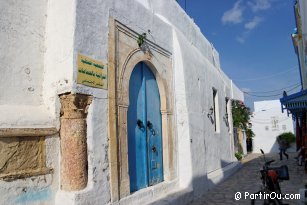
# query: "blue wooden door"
[144,129]
[154,131]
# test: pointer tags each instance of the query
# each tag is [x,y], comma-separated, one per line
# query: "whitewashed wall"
[64,29]
[22,48]
[264,129]
[22,54]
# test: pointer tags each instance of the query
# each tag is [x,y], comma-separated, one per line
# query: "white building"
[72,76]
[268,122]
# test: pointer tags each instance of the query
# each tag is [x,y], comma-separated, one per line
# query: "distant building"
[268,122]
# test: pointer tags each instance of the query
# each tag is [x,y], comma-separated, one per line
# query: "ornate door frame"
[123,54]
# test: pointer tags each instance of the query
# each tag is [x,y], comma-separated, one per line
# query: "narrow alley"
[247,180]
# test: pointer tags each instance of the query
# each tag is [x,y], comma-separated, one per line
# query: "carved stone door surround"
[123,54]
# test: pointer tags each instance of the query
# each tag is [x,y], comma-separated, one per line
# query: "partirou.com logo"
[263,195]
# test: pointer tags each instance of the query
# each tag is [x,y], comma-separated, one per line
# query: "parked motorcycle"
[270,192]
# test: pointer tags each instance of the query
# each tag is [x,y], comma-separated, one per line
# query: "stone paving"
[247,179]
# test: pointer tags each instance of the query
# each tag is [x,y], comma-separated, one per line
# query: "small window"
[284,127]
[226,117]
[215,111]
[226,107]
[266,128]
[274,122]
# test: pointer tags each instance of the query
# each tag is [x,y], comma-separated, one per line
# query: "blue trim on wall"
[293,96]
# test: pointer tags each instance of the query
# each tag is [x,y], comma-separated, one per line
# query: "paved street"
[247,180]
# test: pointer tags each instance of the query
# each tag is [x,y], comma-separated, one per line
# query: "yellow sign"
[91,72]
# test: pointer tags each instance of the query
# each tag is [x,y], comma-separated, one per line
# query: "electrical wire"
[185,5]
[266,77]
[247,93]
[271,91]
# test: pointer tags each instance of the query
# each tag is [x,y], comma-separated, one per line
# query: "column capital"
[74,106]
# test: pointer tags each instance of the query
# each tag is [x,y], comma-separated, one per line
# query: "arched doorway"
[144,129]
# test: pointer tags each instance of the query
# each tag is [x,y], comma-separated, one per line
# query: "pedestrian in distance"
[283,146]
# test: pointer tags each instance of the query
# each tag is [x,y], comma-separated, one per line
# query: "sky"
[253,38]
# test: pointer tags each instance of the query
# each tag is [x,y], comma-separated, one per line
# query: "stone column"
[73,141]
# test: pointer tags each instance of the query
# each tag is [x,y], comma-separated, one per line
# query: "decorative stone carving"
[22,157]
[124,54]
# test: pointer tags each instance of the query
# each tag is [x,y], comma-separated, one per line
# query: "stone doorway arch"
[124,54]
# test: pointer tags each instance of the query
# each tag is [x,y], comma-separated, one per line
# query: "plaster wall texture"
[22,51]
[22,47]
[210,150]
[59,55]
[81,27]
[264,127]
[183,137]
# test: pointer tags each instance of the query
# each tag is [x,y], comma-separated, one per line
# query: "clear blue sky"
[253,38]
